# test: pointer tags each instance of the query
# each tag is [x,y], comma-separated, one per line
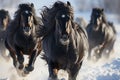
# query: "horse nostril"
[30,28]
[26,29]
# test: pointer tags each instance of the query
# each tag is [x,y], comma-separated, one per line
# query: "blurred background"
[110,6]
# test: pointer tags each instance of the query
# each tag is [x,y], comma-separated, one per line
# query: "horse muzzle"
[27,30]
[64,40]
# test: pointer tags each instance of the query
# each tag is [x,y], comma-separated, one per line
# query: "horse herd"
[63,41]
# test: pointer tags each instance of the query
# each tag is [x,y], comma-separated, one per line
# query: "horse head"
[63,22]
[4,19]
[27,19]
[97,17]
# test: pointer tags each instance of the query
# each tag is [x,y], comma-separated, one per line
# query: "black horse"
[101,34]
[4,21]
[64,42]
[21,37]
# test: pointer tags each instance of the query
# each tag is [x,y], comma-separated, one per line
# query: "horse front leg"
[12,53]
[13,57]
[74,70]
[109,49]
[30,66]
[36,51]
[99,51]
[53,71]
[90,51]
[20,58]
[89,54]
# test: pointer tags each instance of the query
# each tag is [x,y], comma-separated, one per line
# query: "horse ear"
[68,3]
[32,5]
[56,4]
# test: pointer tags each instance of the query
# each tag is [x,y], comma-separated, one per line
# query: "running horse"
[21,37]
[4,21]
[64,42]
[101,34]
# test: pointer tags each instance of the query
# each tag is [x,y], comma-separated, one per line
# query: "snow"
[104,69]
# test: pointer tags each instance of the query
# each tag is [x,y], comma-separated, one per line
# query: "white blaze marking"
[63,16]
[26,12]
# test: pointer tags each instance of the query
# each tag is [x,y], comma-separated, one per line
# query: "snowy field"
[104,69]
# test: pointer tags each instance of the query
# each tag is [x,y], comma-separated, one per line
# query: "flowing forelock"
[48,14]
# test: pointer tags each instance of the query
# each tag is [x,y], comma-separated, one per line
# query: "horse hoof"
[24,74]
[19,72]
[62,79]
[26,71]
[28,68]
[52,78]
[21,66]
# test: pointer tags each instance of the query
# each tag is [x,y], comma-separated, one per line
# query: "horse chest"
[65,55]
[28,46]
[96,37]
[26,43]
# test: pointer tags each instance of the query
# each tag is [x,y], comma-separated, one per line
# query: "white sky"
[38,4]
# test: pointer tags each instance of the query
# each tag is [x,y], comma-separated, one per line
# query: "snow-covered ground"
[104,69]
